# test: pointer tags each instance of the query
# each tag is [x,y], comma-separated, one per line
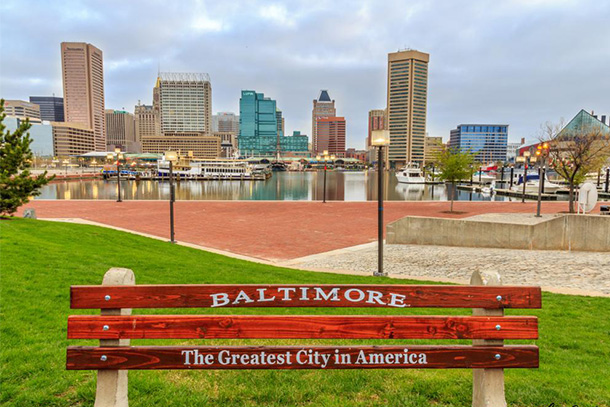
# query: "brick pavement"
[276,230]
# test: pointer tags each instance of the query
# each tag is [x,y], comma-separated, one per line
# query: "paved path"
[276,230]
[560,271]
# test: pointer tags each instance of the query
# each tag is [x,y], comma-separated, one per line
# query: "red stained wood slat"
[300,327]
[365,296]
[319,357]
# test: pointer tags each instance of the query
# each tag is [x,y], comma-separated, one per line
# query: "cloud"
[516,62]
[278,14]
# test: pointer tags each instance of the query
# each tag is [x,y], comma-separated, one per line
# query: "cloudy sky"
[518,62]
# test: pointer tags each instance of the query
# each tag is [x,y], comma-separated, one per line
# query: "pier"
[510,193]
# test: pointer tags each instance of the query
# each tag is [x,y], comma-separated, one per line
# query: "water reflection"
[287,186]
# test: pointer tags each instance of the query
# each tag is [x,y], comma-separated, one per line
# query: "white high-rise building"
[185,102]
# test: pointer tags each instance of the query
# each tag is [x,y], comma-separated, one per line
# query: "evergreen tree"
[17,184]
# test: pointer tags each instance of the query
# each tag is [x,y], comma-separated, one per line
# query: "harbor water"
[286,186]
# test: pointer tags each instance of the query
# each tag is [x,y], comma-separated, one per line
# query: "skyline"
[477,73]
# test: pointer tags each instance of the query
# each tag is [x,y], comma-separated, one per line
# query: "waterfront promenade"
[273,231]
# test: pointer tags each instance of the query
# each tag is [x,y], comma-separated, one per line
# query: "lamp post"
[325,155]
[65,163]
[318,158]
[526,155]
[171,156]
[541,153]
[379,139]
[119,157]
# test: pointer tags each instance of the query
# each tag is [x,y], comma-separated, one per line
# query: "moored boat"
[410,174]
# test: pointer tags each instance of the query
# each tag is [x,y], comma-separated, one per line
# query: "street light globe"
[520,159]
[171,156]
[318,158]
[325,152]
[332,158]
[117,150]
[109,156]
[380,138]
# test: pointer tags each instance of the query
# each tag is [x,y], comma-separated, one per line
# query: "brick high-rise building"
[330,133]
[147,123]
[225,122]
[407,97]
[82,67]
[376,122]
[434,145]
[323,106]
[121,131]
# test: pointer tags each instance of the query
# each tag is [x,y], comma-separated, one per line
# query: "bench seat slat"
[266,295]
[360,357]
[301,327]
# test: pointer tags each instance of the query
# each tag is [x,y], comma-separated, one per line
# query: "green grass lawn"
[40,260]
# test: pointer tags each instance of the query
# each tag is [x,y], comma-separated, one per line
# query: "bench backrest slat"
[302,357]
[300,327]
[365,296]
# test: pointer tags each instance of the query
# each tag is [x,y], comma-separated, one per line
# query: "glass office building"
[258,127]
[487,141]
[297,143]
[51,107]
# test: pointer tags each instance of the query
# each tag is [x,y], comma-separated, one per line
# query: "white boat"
[410,174]
[484,177]
[532,185]
[222,169]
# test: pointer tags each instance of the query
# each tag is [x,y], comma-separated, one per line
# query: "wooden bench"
[488,328]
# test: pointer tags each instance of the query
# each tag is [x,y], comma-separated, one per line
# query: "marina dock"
[510,193]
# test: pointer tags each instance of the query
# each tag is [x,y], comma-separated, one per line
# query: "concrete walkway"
[269,230]
[581,273]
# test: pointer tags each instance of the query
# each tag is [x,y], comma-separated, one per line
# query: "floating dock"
[510,193]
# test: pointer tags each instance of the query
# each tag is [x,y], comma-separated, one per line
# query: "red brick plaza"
[268,230]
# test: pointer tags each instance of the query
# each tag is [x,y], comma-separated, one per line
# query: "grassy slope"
[40,260]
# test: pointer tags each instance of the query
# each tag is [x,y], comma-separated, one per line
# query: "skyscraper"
[331,135]
[407,93]
[258,126]
[82,67]
[51,107]
[225,122]
[376,122]
[146,122]
[182,110]
[323,106]
[185,102]
[120,130]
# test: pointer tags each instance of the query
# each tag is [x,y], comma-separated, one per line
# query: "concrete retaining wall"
[568,232]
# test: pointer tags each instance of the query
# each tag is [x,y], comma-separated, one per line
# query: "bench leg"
[111,388]
[112,384]
[487,384]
